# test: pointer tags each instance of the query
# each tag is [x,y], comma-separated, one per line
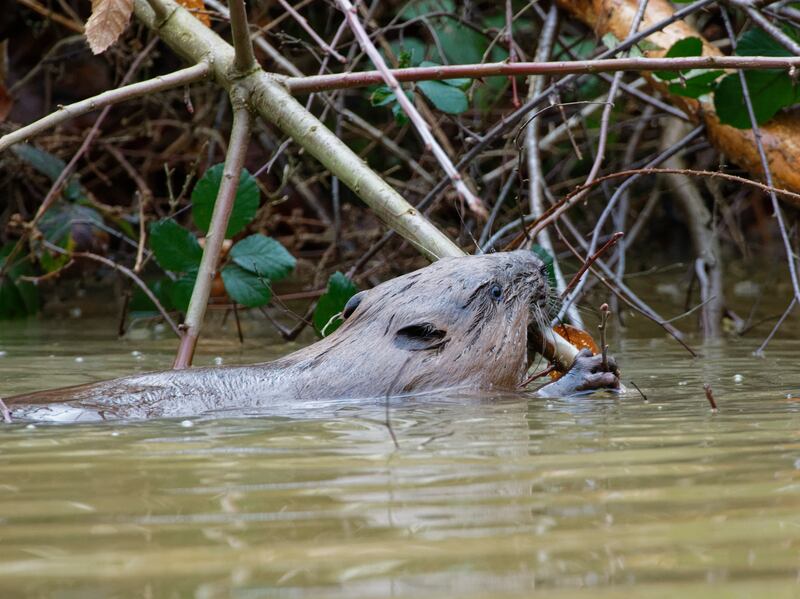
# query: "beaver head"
[459,322]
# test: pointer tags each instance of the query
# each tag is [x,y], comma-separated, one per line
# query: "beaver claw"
[586,374]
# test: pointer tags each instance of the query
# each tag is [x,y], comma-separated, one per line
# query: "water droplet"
[31,426]
[79,359]
[187,423]
[218,360]
[3,354]
[738,378]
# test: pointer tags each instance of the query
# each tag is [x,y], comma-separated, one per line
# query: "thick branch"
[187,36]
[300,85]
[114,96]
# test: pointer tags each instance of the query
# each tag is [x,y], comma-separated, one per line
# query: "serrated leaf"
[340,289]
[757,42]
[689,46]
[108,20]
[176,249]
[769,92]
[444,97]
[244,287]
[264,256]
[204,196]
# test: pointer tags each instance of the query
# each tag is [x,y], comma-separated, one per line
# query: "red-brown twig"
[537,375]
[591,260]
[710,396]
[317,83]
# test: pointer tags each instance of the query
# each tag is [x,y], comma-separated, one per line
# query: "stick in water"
[710,397]
[604,312]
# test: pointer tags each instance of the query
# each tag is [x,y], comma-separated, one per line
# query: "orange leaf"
[197,8]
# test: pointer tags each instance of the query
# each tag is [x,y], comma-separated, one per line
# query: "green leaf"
[50,166]
[244,287]
[696,86]
[460,82]
[445,97]
[18,299]
[414,48]
[382,96]
[57,223]
[204,196]
[180,292]
[176,249]
[547,258]
[757,42]
[399,115]
[419,8]
[769,92]
[340,289]
[264,256]
[689,46]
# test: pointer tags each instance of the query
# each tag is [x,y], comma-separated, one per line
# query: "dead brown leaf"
[109,19]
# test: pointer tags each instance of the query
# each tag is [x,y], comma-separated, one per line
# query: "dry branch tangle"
[781,135]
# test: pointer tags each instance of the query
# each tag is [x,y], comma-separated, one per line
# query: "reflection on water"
[485,497]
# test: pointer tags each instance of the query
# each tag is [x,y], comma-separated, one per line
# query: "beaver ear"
[352,304]
[421,336]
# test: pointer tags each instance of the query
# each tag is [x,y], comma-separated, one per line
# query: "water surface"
[492,496]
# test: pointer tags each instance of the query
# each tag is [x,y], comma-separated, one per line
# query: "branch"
[114,96]
[244,60]
[386,76]
[317,83]
[234,161]
[191,39]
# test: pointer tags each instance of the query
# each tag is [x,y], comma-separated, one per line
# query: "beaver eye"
[543,270]
[496,291]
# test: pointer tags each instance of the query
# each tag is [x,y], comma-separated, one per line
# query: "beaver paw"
[586,374]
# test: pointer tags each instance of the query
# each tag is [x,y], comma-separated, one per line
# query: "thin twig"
[108,98]
[591,260]
[710,397]
[604,312]
[124,270]
[635,386]
[475,204]
[301,20]
[335,81]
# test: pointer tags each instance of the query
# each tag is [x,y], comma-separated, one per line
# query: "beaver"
[466,322]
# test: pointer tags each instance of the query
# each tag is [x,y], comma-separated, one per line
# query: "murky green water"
[485,497]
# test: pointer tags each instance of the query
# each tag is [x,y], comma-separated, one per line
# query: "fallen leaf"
[108,20]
